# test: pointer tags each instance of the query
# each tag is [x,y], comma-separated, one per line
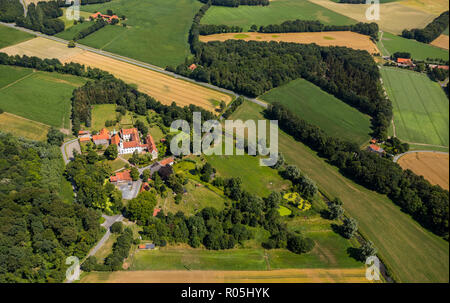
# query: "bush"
[117,227]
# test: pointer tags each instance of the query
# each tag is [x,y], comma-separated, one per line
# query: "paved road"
[418,151]
[72,144]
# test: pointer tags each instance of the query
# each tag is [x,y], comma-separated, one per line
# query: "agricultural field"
[442,41]
[71,30]
[10,36]
[21,127]
[156,32]
[163,88]
[432,166]
[431,6]
[413,253]
[389,44]
[347,39]
[314,105]
[69,23]
[39,96]
[421,113]
[394,17]
[277,12]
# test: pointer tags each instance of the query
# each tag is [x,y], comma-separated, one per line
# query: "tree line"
[210,29]
[39,228]
[431,31]
[98,24]
[43,18]
[369,29]
[10,10]
[426,203]
[236,3]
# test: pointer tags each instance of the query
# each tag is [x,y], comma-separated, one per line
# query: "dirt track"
[273,276]
[348,39]
[433,166]
[162,87]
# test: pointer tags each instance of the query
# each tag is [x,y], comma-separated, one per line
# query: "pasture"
[314,105]
[10,36]
[163,88]
[277,12]
[390,44]
[394,17]
[156,32]
[39,96]
[432,166]
[413,253]
[346,39]
[420,106]
[21,127]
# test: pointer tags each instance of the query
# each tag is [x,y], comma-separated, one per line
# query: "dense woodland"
[369,29]
[43,18]
[431,31]
[10,10]
[38,229]
[426,203]
[236,3]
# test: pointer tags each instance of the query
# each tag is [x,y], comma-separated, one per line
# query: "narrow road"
[63,149]
[418,151]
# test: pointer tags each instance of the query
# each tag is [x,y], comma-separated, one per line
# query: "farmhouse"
[102,138]
[192,67]
[405,62]
[107,18]
[376,149]
[121,177]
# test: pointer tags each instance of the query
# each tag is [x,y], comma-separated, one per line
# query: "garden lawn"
[421,112]
[277,12]
[412,253]
[391,44]
[314,105]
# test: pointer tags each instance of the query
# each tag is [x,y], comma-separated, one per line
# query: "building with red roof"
[166,161]
[376,149]
[123,176]
[192,67]
[151,146]
[107,18]
[102,138]
[156,211]
[404,62]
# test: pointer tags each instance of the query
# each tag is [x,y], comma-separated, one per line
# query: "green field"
[314,105]
[70,31]
[421,111]
[277,12]
[392,43]
[39,96]
[157,30]
[10,36]
[413,253]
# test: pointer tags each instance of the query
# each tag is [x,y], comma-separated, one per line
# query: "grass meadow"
[314,105]
[277,12]
[156,32]
[10,36]
[413,253]
[420,105]
[391,43]
[21,127]
[39,96]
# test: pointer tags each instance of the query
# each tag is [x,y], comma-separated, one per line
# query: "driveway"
[67,149]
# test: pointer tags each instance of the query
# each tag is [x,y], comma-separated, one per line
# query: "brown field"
[432,166]
[348,39]
[442,41]
[162,87]
[200,276]
[22,127]
[394,17]
[431,6]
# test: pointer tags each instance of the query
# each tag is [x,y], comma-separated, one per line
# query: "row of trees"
[43,18]
[10,10]
[232,108]
[431,31]
[39,230]
[369,29]
[209,29]
[427,204]
[236,3]
[98,24]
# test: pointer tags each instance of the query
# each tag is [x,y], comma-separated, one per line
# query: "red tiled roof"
[403,60]
[156,211]
[151,143]
[121,176]
[443,67]
[100,137]
[85,138]
[375,147]
[192,67]
[166,161]
[115,139]
[129,131]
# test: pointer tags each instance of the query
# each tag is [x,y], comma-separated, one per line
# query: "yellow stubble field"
[163,88]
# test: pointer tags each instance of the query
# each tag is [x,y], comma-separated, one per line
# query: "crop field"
[156,32]
[442,41]
[390,44]
[314,105]
[353,275]
[163,88]
[421,113]
[21,127]
[39,96]
[394,17]
[431,6]
[10,36]
[413,253]
[347,39]
[277,12]
[432,166]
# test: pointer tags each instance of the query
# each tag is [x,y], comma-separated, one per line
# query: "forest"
[431,31]
[426,203]
[10,10]
[236,3]
[43,18]
[39,230]
[293,26]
